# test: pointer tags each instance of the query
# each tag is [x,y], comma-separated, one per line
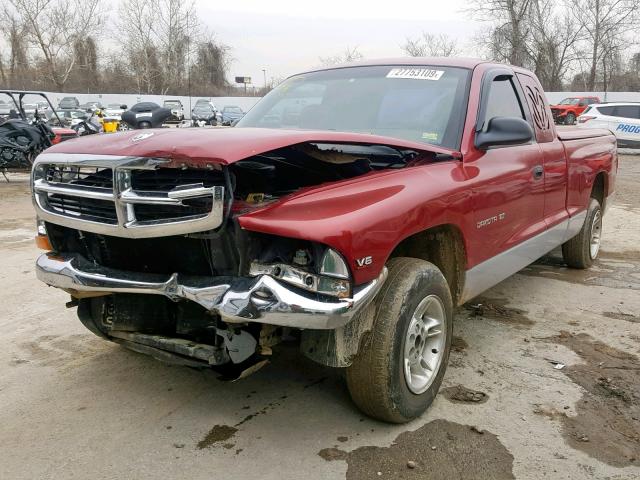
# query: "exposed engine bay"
[184,331]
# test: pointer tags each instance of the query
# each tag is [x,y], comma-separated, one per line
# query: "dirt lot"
[74,406]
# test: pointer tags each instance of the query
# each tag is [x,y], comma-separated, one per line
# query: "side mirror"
[503,131]
[123,107]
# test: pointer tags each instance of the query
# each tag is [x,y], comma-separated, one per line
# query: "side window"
[627,111]
[592,100]
[503,100]
[606,110]
[583,103]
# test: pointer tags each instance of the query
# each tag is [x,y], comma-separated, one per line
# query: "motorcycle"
[146,115]
[86,126]
[23,137]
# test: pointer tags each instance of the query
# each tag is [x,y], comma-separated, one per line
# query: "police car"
[623,119]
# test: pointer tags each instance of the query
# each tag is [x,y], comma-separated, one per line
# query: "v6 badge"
[364,261]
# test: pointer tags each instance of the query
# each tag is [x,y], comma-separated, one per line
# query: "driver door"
[509,194]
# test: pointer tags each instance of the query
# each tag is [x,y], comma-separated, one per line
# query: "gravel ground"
[74,406]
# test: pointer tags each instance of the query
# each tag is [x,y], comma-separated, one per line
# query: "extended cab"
[571,108]
[354,223]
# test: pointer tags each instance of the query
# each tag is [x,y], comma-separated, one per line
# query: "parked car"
[230,114]
[30,109]
[69,118]
[177,110]
[6,107]
[205,113]
[114,110]
[398,193]
[570,108]
[69,103]
[623,119]
[91,106]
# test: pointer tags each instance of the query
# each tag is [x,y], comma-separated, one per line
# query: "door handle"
[537,172]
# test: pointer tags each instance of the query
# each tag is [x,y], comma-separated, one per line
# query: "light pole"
[264,73]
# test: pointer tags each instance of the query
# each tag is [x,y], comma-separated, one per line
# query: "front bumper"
[260,299]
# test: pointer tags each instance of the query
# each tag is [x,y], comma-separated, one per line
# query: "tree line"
[579,45]
[150,47]
[160,47]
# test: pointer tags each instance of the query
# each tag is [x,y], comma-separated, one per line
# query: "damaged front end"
[154,254]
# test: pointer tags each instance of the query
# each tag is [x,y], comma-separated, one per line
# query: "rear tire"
[582,250]
[389,379]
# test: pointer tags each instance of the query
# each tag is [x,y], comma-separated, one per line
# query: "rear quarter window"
[606,110]
[627,111]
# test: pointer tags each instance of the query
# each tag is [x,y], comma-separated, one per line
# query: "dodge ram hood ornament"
[142,136]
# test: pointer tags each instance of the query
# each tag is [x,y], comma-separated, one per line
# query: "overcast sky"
[285,36]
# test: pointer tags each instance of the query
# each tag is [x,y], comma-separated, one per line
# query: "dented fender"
[369,216]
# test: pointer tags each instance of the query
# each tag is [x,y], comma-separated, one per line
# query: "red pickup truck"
[352,209]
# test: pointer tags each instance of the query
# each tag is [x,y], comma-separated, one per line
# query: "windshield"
[570,101]
[423,104]
[202,109]
[171,103]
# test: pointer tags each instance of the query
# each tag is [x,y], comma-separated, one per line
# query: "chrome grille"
[83,208]
[126,197]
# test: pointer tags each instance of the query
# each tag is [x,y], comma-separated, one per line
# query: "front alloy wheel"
[401,361]
[424,344]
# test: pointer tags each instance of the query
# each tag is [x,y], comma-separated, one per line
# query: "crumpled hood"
[197,146]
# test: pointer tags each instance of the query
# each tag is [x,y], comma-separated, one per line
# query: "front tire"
[582,250]
[570,119]
[398,371]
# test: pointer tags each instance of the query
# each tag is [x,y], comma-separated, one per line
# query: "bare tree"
[15,72]
[165,43]
[209,70]
[430,45]
[137,37]
[606,23]
[176,24]
[552,47]
[507,40]
[350,54]
[53,26]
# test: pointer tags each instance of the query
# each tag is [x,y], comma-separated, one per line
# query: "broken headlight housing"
[330,278]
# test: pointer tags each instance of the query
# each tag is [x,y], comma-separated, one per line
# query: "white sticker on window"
[416,73]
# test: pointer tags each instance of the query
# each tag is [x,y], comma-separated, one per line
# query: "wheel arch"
[599,188]
[444,246]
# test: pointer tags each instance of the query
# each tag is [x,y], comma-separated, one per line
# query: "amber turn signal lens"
[42,241]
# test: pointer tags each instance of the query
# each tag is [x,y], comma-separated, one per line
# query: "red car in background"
[570,108]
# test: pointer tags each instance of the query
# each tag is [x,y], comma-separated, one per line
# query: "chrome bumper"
[236,299]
